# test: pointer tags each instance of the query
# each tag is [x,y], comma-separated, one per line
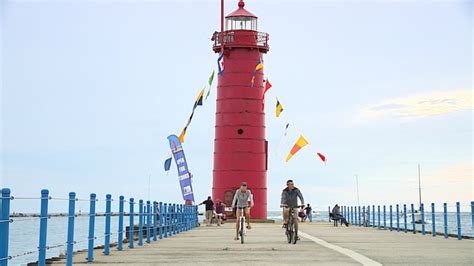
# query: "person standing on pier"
[309,213]
[219,211]
[241,200]
[209,210]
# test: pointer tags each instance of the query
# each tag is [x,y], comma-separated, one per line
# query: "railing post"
[43,227]
[170,219]
[188,217]
[180,218]
[140,222]
[398,217]
[165,220]
[422,210]
[155,218]
[384,218]
[359,216]
[196,216]
[329,213]
[148,221]
[160,218]
[373,215]
[364,217]
[391,218]
[120,225]
[70,228]
[458,219]
[131,228]
[445,218]
[433,220]
[108,204]
[472,215]
[413,218]
[378,216]
[175,226]
[90,247]
[368,215]
[193,221]
[177,218]
[355,215]
[4,226]
[405,218]
[352,214]
[184,217]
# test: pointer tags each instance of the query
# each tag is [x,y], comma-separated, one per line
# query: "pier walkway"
[321,244]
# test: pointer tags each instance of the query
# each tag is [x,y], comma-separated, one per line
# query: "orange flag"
[300,143]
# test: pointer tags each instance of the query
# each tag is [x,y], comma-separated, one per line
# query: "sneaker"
[285,225]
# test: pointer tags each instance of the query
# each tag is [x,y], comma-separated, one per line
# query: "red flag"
[323,158]
[267,87]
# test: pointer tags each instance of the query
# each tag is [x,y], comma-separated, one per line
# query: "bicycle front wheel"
[289,231]
[295,234]
[242,231]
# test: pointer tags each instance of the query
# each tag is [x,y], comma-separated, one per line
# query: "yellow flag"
[181,136]
[279,108]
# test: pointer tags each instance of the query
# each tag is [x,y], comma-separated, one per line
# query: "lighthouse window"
[240,131]
[241,23]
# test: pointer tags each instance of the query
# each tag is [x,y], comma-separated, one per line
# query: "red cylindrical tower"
[240,147]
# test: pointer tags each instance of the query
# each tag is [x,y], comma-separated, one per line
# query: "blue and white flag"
[183,173]
[168,163]
[220,63]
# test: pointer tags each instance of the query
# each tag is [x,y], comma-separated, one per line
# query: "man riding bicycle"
[241,198]
[289,199]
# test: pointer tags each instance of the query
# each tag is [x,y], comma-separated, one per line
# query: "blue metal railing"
[157,218]
[364,216]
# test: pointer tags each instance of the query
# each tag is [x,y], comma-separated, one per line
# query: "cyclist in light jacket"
[241,200]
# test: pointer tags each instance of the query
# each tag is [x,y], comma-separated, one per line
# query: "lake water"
[24,232]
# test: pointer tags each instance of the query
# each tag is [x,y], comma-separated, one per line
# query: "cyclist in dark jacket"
[289,199]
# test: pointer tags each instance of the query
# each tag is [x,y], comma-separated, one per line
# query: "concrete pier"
[321,244]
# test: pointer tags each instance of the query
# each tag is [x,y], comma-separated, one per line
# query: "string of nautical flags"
[198,102]
[300,142]
[204,93]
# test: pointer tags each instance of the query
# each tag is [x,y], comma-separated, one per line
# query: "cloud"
[420,106]
[450,184]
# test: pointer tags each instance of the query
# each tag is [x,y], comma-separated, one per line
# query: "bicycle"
[292,227]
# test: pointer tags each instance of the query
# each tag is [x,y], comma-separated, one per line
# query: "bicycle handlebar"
[286,205]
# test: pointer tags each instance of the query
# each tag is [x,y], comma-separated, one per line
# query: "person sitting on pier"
[209,210]
[241,200]
[336,216]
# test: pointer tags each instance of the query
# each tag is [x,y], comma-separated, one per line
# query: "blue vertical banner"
[183,173]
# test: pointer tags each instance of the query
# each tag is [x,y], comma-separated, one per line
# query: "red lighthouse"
[240,147]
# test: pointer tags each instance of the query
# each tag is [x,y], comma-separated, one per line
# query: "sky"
[91,89]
